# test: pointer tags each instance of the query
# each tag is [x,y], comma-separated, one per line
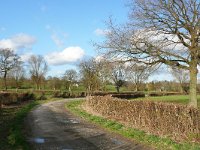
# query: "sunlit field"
[183,99]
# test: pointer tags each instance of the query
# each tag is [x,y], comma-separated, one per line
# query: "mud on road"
[52,127]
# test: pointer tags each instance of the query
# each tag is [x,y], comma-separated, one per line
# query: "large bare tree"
[8,61]
[160,32]
[38,69]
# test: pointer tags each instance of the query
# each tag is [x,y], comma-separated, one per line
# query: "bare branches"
[8,61]
[159,32]
[38,69]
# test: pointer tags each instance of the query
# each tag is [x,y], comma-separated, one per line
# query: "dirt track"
[51,127]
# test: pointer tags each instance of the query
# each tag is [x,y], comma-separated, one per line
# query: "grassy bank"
[11,125]
[137,135]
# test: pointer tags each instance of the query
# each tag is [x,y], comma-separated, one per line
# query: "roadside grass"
[12,125]
[183,99]
[134,134]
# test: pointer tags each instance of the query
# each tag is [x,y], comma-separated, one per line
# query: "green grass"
[183,99]
[11,128]
[137,135]
[12,125]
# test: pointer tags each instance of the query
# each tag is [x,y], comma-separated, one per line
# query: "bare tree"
[8,61]
[18,74]
[182,76]
[90,75]
[160,32]
[54,82]
[37,68]
[70,77]
[138,74]
[104,72]
[117,75]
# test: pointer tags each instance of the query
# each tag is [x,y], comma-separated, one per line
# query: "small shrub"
[57,94]
[42,97]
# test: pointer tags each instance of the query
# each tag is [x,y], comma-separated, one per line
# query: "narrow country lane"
[51,127]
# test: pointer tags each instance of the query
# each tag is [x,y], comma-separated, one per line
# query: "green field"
[183,99]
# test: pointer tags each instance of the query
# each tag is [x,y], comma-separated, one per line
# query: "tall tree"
[160,32]
[8,61]
[90,75]
[37,68]
[70,77]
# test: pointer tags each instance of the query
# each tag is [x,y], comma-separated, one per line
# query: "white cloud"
[68,55]
[101,32]
[59,42]
[18,41]
[25,57]
[57,36]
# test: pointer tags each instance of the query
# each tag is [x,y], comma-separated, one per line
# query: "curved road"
[51,127]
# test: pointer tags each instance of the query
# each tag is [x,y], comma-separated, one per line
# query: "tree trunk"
[193,83]
[136,87]
[5,80]
[117,87]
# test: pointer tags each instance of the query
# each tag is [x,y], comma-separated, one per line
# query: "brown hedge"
[123,95]
[178,122]
[7,98]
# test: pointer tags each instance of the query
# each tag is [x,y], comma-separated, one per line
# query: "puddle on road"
[74,121]
[116,141]
[70,121]
[39,140]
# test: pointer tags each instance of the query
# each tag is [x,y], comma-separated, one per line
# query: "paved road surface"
[51,127]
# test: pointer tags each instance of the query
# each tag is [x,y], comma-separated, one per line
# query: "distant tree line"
[93,75]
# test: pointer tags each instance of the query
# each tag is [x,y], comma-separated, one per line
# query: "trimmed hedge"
[178,122]
[10,98]
[124,95]
[69,95]
[164,93]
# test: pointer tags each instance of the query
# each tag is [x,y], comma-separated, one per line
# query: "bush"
[154,94]
[42,97]
[8,98]
[26,96]
[11,98]
[124,95]
[69,95]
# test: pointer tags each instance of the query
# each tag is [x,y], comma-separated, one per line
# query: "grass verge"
[137,135]
[11,125]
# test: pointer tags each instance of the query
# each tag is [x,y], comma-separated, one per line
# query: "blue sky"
[56,28]
[60,30]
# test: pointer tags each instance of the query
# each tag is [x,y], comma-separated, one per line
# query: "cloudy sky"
[60,30]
